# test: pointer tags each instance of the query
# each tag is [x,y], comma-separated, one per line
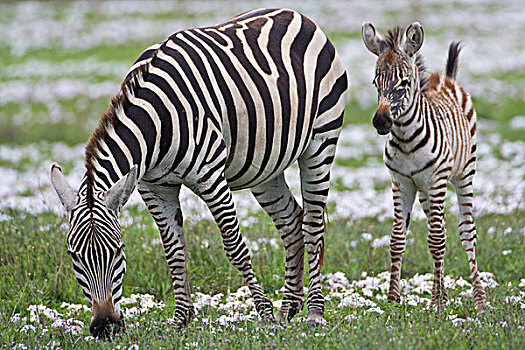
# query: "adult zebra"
[216,109]
[431,124]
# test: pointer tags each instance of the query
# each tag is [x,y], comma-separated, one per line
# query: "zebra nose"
[382,122]
[105,327]
[105,320]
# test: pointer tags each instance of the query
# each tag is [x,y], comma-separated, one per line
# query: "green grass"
[37,270]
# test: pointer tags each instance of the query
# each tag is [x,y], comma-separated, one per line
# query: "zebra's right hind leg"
[467,233]
[278,201]
[163,204]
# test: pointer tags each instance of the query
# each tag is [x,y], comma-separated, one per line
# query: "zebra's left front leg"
[163,204]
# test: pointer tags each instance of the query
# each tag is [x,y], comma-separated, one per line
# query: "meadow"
[61,62]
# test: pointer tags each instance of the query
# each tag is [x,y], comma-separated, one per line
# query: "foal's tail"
[453,59]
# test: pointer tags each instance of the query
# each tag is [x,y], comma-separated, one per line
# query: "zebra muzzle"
[382,121]
[105,321]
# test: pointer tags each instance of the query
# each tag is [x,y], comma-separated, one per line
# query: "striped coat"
[431,127]
[218,109]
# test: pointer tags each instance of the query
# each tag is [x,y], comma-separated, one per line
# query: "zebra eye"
[404,83]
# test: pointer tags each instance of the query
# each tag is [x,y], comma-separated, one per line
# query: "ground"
[61,63]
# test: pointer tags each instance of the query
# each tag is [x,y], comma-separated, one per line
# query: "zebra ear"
[67,195]
[373,41]
[414,38]
[119,193]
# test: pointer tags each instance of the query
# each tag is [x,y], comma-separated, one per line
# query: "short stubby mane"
[394,38]
[394,41]
[108,120]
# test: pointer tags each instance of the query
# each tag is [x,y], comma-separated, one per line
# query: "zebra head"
[397,68]
[95,244]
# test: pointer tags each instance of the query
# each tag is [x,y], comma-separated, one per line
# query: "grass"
[37,270]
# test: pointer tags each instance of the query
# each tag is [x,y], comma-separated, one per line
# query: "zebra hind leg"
[467,233]
[163,204]
[314,165]
[218,197]
[278,201]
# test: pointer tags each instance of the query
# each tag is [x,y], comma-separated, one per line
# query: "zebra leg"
[218,197]
[467,233]
[425,204]
[437,241]
[163,204]
[314,165]
[404,193]
[278,201]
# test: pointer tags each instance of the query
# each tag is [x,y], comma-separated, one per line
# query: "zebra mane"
[394,41]
[107,120]
[394,38]
[422,72]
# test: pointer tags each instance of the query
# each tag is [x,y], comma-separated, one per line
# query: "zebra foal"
[431,127]
[217,109]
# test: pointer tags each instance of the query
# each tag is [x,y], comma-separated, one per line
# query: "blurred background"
[60,63]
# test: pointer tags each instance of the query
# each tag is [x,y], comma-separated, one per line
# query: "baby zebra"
[431,124]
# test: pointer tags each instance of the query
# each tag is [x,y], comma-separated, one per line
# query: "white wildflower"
[366,236]
[374,309]
[381,242]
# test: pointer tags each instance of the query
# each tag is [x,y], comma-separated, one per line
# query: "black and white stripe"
[217,109]
[431,127]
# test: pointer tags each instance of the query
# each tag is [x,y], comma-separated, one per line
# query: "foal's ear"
[414,38]
[373,41]
[67,195]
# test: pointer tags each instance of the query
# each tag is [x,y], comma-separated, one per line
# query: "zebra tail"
[453,59]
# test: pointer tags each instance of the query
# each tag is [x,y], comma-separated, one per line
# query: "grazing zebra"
[216,109]
[431,124]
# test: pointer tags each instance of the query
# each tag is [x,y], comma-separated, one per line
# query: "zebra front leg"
[437,242]
[218,197]
[163,204]
[467,233]
[278,201]
[404,193]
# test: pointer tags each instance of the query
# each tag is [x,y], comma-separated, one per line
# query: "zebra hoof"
[280,317]
[394,299]
[183,319]
[482,309]
[315,319]
[269,321]
[292,308]
[439,307]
